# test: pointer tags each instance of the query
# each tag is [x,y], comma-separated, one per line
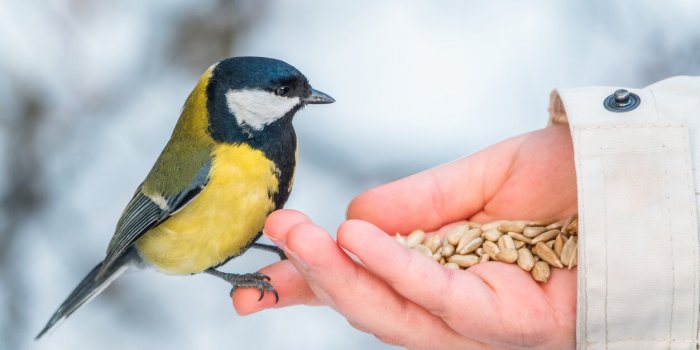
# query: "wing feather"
[144,212]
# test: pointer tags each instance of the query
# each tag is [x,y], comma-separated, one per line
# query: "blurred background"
[90,91]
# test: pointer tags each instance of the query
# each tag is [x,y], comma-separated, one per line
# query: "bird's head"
[248,94]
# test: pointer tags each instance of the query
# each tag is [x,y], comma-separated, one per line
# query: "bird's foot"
[248,280]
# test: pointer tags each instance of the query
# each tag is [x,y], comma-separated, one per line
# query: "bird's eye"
[282,90]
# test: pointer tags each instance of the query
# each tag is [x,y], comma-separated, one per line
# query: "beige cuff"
[638,251]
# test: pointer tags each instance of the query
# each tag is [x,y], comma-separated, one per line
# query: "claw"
[255,280]
[265,277]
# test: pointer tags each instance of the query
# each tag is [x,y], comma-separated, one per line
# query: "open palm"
[407,299]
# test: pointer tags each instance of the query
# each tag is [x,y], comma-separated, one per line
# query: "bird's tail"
[94,283]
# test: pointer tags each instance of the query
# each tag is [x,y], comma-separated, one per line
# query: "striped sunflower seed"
[467,238]
[519,237]
[545,236]
[547,254]
[471,246]
[540,272]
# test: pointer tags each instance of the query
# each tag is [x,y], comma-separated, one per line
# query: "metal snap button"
[621,101]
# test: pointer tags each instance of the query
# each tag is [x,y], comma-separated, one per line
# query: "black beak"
[317,98]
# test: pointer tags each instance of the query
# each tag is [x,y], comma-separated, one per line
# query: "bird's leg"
[247,280]
[270,248]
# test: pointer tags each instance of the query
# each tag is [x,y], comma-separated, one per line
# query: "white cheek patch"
[257,108]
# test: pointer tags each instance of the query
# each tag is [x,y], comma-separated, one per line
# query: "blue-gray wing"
[147,211]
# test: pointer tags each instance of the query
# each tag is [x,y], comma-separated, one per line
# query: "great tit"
[228,164]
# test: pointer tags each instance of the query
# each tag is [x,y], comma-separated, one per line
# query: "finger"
[288,283]
[358,295]
[437,196]
[278,223]
[420,279]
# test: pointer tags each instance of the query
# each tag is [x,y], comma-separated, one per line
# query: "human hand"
[407,299]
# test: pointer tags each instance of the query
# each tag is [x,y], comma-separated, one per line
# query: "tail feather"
[94,283]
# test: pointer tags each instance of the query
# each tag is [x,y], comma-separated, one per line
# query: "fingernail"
[296,260]
[278,243]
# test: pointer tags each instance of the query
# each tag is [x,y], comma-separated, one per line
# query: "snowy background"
[90,91]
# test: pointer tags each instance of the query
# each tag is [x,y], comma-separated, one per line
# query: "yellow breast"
[221,220]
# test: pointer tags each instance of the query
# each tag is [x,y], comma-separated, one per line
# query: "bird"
[229,163]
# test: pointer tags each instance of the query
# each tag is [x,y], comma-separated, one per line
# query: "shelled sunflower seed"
[535,246]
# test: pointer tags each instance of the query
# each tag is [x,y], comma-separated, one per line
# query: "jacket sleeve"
[638,277]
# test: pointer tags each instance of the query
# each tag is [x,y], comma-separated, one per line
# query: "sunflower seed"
[539,222]
[569,252]
[447,250]
[493,224]
[547,254]
[423,250]
[558,245]
[471,246]
[519,244]
[509,255]
[433,242]
[525,259]
[491,249]
[399,238]
[519,237]
[467,238]
[451,265]
[532,232]
[416,237]
[464,260]
[456,234]
[473,224]
[571,223]
[540,272]
[555,225]
[546,236]
[573,261]
[492,235]
[512,226]
[506,242]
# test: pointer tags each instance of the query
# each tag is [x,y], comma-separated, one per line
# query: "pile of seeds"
[533,245]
